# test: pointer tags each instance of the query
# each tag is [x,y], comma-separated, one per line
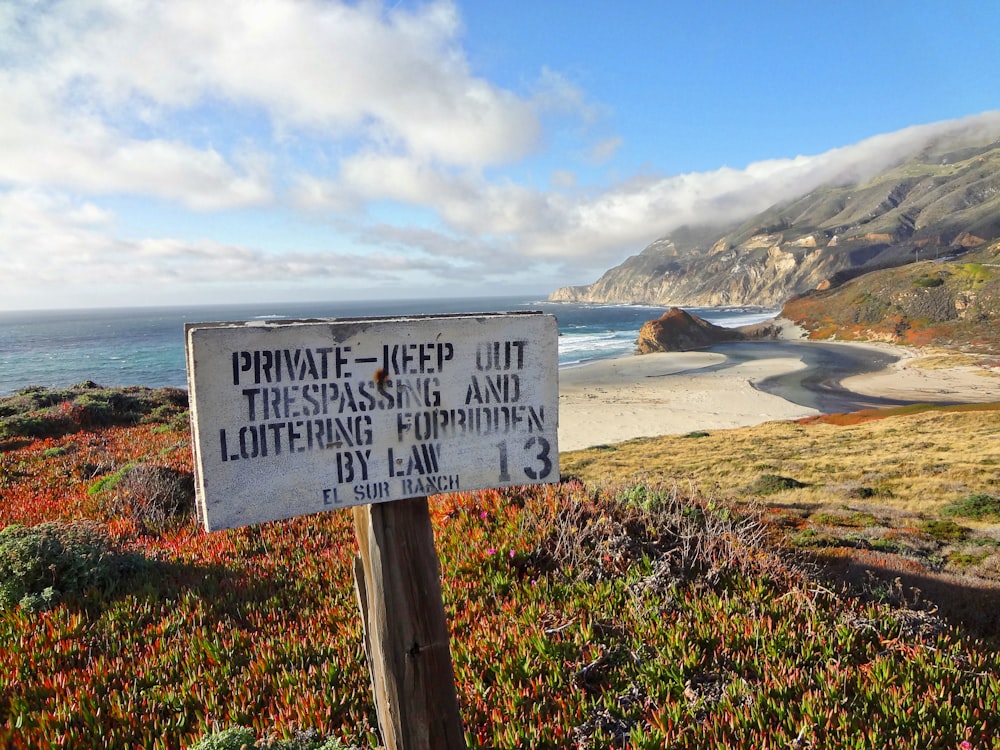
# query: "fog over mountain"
[778,228]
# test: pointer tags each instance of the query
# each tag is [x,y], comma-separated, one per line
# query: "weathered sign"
[291,418]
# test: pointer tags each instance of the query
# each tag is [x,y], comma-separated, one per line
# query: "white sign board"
[291,418]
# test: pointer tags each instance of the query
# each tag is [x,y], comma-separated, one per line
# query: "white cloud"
[563,178]
[489,232]
[401,78]
[43,144]
[350,110]
[92,88]
[51,240]
[605,150]
[587,232]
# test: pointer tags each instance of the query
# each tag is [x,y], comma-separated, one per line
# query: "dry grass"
[949,360]
[880,481]
[944,361]
[914,463]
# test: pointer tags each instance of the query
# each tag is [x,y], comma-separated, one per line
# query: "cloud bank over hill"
[135,136]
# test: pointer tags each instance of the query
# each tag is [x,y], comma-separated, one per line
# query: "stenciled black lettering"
[313,395]
[434,424]
[416,359]
[272,407]
[339,361]
[288,401]
[301,365]
[368,493]
[387,398]
[242,362]
[500,355]
[421,458]
[267,366]
[251,396]
[366,396]
[542,456]
[352,431]
[503,388]
[416,486]
[249,442]
[352,466]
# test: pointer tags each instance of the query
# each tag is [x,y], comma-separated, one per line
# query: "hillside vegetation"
[953,303]
[659,604]
[911,492]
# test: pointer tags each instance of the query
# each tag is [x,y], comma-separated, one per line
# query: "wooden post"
[406,634]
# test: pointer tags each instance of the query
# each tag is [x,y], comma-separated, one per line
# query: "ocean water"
[145,346]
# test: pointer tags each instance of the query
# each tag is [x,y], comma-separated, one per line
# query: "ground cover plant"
[663,611]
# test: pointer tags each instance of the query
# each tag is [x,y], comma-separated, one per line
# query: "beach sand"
[610,401]
[927,375]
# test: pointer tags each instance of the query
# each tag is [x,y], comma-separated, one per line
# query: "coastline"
[660,394]
[747,383]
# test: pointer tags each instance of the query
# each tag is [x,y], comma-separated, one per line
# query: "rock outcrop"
[679,331]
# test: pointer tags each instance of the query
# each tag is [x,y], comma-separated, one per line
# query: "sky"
[157,152]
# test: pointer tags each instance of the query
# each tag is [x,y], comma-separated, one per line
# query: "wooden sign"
[292,418]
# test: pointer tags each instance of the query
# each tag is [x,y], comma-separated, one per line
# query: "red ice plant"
[259,626]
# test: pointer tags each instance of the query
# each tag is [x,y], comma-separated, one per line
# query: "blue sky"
[179,152]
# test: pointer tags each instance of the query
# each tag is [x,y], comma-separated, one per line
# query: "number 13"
[542,456]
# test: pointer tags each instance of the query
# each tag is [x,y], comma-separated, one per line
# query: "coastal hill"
[942,202]
[954,304]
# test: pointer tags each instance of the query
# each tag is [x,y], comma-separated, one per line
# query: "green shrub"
[943,530]
[31,398]
[108,482]
[43,424]
[641,495]
[927,282]
[880,544]
[855,520]
[769,484]
[866,493]
[241,738]
[167,414]
[976,273]
[45,564]
[40,412]
[978,506]
[812,538]
[967,559]
[152,496]
[234,738]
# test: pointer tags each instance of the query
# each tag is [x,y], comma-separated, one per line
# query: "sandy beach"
[737,385]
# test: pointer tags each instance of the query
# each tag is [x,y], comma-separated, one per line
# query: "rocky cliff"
[944,201]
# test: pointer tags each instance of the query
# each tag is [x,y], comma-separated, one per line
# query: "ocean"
[145,346]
